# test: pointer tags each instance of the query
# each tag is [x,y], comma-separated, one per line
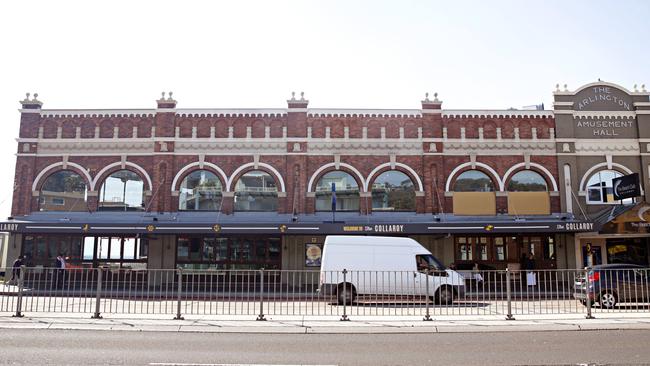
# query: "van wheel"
[445,296]
[608,299]
[345,297]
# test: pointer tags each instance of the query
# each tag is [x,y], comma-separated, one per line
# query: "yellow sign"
[216,228]
[352,228]
[150,228]
[489,227]
[85,228]
[283,228]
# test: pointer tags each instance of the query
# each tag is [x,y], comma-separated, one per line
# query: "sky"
[342,54]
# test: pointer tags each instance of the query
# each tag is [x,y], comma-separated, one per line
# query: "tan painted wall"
[475,203]
[529,203]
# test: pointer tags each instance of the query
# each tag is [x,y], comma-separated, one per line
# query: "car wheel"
[607,300]
[345,297]
[445,296]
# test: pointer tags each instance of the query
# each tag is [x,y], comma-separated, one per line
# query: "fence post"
[588,298]
[98,294]
[427,317]
[344,317]
[509,296]
[261,316]
[178,295]
[21,285]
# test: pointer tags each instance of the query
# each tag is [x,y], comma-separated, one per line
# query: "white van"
[381,265]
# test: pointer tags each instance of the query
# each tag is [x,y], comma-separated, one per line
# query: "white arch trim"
[60,163]
[187,167]
[119,163]
[403,166]
[327,166]
[593,169]
[248,165]
[540,167]
[484,166]
[601,83]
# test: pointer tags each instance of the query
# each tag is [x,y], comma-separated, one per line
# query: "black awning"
[278,224]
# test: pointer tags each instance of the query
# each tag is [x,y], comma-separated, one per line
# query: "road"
[78,347]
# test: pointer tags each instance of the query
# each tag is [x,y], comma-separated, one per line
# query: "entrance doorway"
[596,256]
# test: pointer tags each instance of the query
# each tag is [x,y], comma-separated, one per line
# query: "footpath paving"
[327,325]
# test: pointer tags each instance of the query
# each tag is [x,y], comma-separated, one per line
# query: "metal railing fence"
[343,294]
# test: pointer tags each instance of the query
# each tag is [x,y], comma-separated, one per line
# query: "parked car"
[610,284]
[385,266]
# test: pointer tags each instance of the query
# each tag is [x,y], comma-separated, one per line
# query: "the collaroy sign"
[626,186]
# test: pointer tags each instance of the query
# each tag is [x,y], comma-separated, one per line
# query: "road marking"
[222,364]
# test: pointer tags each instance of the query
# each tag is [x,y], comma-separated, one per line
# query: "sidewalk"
[321,325]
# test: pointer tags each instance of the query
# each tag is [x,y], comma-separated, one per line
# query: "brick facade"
[308,140]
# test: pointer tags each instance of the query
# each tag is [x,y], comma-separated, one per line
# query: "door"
[596,256]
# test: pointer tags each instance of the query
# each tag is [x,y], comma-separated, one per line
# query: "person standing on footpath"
[531,277]
[60,270]
[15,270]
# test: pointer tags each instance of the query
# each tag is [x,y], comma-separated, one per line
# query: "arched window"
[256,191]
[64,190]
[393,191]
[347,192]
[200,191]
[473,181]
[527,181]
[122,191]
[599,188]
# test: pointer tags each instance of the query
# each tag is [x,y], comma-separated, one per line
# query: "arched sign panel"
[603,98]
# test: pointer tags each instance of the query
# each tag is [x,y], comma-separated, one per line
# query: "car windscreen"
[434,262]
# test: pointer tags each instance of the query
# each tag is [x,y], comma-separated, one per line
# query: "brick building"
[247,188]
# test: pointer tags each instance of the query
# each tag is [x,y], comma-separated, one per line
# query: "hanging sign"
[626,186]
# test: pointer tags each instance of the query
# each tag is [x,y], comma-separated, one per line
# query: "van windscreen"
[434,262]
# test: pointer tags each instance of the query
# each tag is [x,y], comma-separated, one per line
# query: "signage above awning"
[323,228]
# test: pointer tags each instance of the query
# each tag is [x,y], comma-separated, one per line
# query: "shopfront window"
[600,190]
[493,251]
[42,250]
[500,249]
[464,249]
[473,181]
[628,250]
[122,191]
[197,252]
[527,181]
[64,190]
[393,191]
[256,191]
[482,248]
[200,191]
[347,192]
[119,252]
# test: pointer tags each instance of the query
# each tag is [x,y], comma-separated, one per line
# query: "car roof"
[617,266]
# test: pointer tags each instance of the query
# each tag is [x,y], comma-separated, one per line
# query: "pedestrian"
[531,277]
[60,270]
[15,270]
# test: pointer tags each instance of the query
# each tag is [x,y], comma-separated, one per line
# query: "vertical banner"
[333,196]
